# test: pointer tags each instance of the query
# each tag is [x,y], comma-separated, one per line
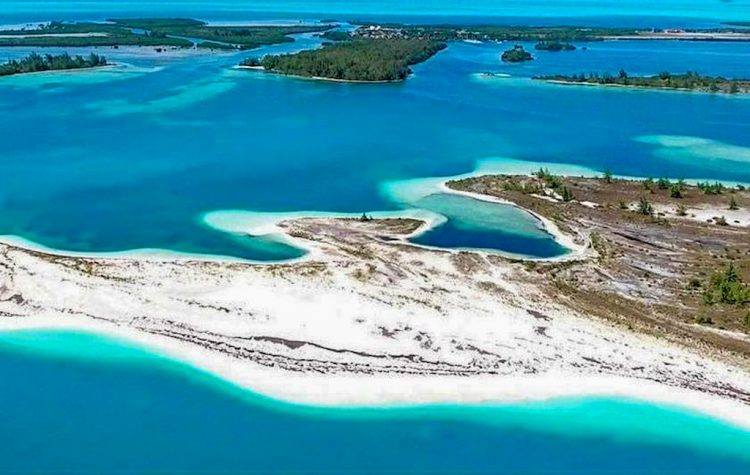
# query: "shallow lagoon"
[129,410]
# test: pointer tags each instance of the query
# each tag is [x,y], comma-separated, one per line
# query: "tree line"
[355,60]
[37,62]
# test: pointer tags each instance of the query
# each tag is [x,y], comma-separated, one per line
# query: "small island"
[161,32]
[690,81]
[554,46]
[517,54]
[37,63]
[357,60]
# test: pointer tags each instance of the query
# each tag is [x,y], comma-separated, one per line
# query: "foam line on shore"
[398,391]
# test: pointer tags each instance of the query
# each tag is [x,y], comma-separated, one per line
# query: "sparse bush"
[645,207]
[733,204]
[711,188]
[727,287]
[675,191]
[567,194]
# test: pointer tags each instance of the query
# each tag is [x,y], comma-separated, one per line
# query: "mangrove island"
[175,32]
[516,55]
[357,60]
[690,81]
[554,46]
[36,63]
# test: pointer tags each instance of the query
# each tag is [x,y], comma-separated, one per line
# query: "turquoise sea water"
[698,11]
[132,157]
[75,402]
[138,155]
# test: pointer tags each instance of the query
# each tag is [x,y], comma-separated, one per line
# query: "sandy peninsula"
[370,319]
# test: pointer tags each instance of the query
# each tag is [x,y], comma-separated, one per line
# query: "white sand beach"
[367,321]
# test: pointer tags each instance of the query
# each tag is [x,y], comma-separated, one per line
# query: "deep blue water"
[78,403]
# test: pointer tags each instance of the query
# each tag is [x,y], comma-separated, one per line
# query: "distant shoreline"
[317,78]
[64,70]
[637,87]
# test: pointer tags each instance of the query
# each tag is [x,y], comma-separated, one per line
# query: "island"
[517,54]
[554,46]
[689,81]
[36,63]
[174,32]
[355,60]
[542,33]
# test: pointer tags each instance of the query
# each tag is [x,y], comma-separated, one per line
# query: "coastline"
[400,391]
[109,65]
[577,250]
[142,254]
[642,88]
[504,343]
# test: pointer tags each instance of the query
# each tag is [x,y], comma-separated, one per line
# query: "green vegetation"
[675,190]
[336,35]
[567,194]
[648,185]
[36,62]
[214,45]
[645,207]
[554,46]
[690,81]
[85,35]
[516,55]
[727,287]
[152,32]
[355,60]
[733,204]
[552,181]
[710,188]
[242,37]
[607,175]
